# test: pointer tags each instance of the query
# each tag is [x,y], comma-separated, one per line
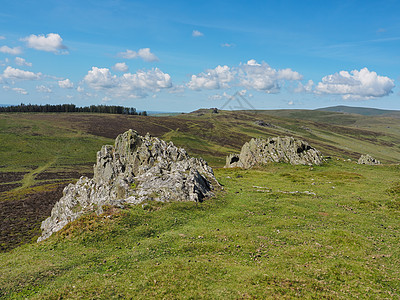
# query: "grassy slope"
[244,243]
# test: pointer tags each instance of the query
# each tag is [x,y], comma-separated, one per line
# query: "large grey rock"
[368,160]
[136,169]
[277,149]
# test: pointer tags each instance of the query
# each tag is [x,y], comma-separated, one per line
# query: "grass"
[278,231]
[253,240]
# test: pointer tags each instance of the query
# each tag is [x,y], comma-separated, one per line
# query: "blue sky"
[184,55]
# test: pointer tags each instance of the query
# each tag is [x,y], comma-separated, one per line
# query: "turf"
[254,240]
[278,231]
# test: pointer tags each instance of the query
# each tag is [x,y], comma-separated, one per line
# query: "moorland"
[276,231]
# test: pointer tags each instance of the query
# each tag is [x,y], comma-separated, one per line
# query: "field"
[278,231]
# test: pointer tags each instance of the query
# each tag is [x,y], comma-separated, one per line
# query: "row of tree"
[70,108]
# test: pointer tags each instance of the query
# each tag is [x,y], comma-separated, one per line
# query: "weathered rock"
[278,149]
[368,160]
[136,169]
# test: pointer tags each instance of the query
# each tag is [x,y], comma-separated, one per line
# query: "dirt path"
[29,178]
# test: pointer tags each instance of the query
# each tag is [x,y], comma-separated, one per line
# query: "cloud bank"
[130,85]
[251,75]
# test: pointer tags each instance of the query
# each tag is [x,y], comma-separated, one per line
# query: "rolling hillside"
[263,235]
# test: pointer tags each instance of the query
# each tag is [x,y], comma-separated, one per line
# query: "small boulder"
[277,149]
[368,160]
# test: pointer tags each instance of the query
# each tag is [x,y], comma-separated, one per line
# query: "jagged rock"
[136,169]
[278,149]
[368,160]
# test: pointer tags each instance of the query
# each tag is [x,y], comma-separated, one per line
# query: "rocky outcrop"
[136,169]
[368,160]
[277,149]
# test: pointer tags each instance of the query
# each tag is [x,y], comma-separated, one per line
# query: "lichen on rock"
[277,149]
[134,170]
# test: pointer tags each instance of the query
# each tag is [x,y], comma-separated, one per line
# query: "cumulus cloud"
[17,90]
[212,79]
[80,89]
[143,53]
[227,45]
[43,89]
[22,62]
[65,84]
[197,33]
[251,75]
[121,67]
[12,73]
[12,51]
[52,42]
[262,77]
[128,85]
[304,88]
[362,84]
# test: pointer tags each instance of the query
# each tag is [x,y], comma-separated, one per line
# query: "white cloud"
[69,96]
[224,95]
[22,62]
[227,45]
[212,79]
[43,89]
[121,67]
[307,88]
[262,77]
[52,42]
[2,37]
[143,53]
[128,85]
[17,90]
[362,84]
[252,76]
[197,33]
[80,89]
[12,51]
[12,73]
[66,84]
[290,102]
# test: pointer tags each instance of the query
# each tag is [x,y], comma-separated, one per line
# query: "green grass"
[253,240]
[265,235]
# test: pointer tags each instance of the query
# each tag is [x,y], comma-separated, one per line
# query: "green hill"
[278,231]
[361,110]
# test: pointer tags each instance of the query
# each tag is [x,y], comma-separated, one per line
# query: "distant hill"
[361,110]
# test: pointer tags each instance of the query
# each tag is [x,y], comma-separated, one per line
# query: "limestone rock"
[136,169]
[368,160]
[278,149]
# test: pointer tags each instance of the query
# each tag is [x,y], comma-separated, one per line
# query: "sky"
[179,56]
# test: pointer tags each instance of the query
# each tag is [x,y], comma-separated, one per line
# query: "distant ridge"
[361,110]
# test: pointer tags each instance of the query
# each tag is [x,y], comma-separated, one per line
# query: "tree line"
[72,108]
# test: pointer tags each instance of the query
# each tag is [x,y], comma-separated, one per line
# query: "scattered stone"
[135,170]
[368,160]
[277,149]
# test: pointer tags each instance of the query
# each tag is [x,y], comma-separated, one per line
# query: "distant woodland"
[71,108]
